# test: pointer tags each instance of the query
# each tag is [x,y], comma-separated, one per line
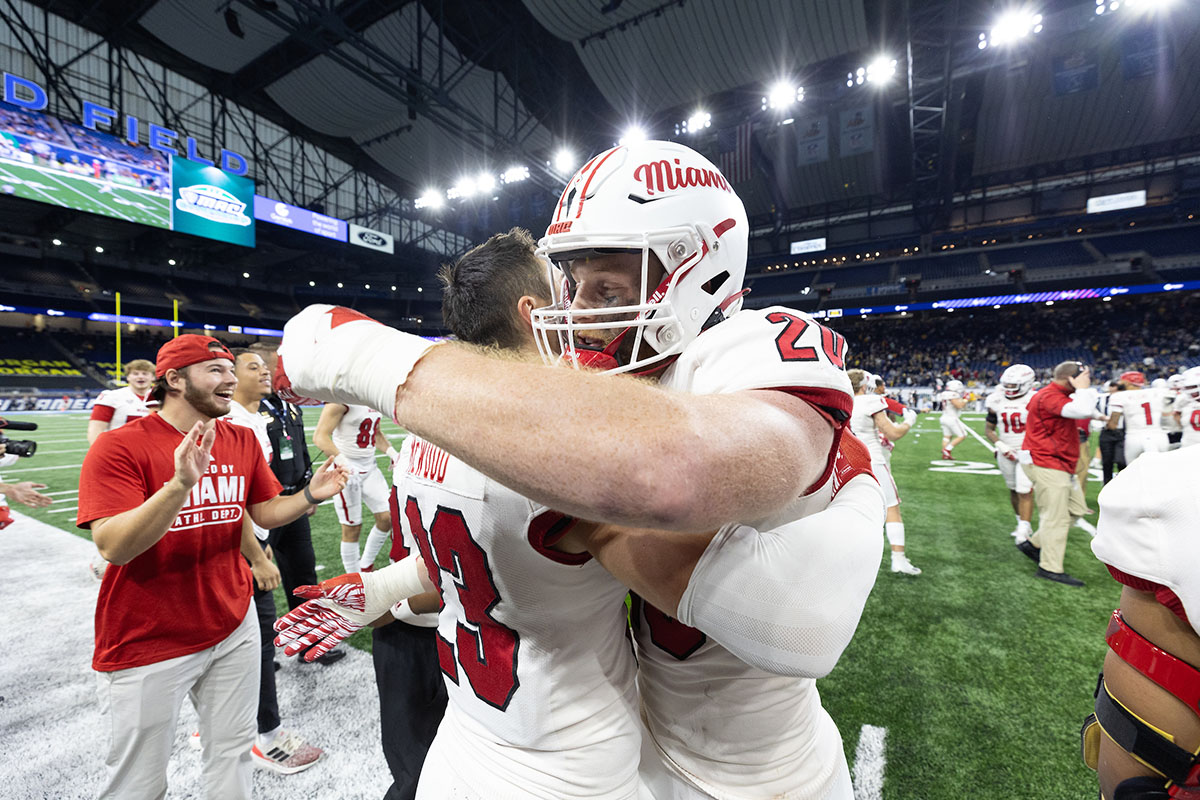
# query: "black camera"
[18,447]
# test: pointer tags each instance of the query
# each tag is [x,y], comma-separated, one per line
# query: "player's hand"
[328,480]
[1084,379]
[26,493]
[1006,451]
[340,606]
[194,452]
[266,575]
[336,354]
[910,417]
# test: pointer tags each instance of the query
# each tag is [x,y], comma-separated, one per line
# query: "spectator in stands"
[24,492]
[292,465]
[276,749]
[1052,444]
[165,497]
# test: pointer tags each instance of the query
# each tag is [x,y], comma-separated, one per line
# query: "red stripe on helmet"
[583,193]
[723,226]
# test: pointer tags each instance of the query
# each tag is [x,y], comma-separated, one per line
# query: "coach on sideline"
[165,497]
[1052,442]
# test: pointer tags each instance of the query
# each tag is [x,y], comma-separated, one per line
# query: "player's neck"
[248,400]
[180,414]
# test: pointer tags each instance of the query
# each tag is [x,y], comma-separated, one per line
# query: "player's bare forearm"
[125,536]
[94,429]
[655,564]
[989,430]
[615,448]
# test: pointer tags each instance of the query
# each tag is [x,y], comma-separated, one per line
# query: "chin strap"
[1171,673]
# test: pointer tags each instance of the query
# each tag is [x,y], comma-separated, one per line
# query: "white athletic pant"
[142,705]
[1150,442]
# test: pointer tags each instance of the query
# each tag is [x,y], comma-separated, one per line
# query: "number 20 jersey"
[532,642]
[729,729]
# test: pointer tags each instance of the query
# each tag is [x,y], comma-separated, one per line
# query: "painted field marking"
[870,761]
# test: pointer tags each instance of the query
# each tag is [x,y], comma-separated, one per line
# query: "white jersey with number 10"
[1011,416]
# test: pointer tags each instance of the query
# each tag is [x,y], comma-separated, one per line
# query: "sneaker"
[332,657]
[947,455]
[194,740]
[1086,526]
[287,754]
[1058,577]
[368,568]
[96,567]
[1028,549]
[902,565]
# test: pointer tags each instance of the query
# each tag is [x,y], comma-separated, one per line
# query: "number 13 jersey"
[532,642]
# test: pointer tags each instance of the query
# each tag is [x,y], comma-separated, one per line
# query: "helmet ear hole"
[715,283]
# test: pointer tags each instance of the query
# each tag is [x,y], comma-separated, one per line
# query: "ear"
[525,307]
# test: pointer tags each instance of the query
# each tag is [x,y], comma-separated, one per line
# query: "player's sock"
[265,739]
[895,534]
[1024,530]
[375,540]
[350,556]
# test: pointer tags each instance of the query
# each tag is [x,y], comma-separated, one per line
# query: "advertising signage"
[209,202]
[299,219]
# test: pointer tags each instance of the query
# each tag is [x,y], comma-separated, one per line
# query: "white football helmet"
[1189,384]
[1158,383]
[1017,380]
[955,386]
[647,197]
[1174,382]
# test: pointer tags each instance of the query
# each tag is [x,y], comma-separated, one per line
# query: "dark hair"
[480,291]
[262,347]
[238,352]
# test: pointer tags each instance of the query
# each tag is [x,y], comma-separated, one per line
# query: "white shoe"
[1086,526]
[901,564]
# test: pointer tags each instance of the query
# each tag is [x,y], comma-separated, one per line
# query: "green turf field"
[979,673]
[74,191]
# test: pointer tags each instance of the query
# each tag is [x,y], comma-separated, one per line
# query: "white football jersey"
[862,422]
[1141,410]
[532,642]
[118,406]
[354,435]
[1011,416]
[726,728]
[1147,525]
[949,412]
[1189,418]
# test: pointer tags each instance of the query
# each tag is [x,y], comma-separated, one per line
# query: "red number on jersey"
[367,431]
[1195,419]
[1149,416]
[833,344]
[1012,422]
[668,634]
[485,649]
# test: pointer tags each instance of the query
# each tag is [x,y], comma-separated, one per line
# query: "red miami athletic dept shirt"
[192,588]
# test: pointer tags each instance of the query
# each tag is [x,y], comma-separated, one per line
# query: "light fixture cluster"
[694,124]
[878,72]
[1146,6]
[1011,28]
[482,184]
[782,96]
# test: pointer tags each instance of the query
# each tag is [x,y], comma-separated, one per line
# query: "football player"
[872,425]
[352,431]
[112,409]
[1144,736]
[1187,407]
[1141,408]
[1005,428]
[1170,418]
[953,430]
[742,436]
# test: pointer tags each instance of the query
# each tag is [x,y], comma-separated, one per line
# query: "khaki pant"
[1060,502]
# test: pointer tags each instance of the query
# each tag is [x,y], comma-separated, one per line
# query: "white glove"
[910,417]
[340,606]
[336,354]
[1006,451]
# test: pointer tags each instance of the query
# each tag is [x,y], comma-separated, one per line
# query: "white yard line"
[991,447]
[870,760]
[63,510]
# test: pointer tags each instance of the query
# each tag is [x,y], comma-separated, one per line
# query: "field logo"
[213,203]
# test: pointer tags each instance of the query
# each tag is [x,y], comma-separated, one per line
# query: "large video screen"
[49,160]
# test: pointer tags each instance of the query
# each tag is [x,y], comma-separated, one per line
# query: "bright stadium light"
[339,284]
[782,95]
[245,274]
[881,70]
[1013,26]
[632,134]
[485,182]
[312,283]
[564,161]
[695,123]
[56,242]
[431,199]
[99,249]
[171,261]
[515,174]
[464,188]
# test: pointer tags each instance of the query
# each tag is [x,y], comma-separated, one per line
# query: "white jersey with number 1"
[532,643]
[1141,409]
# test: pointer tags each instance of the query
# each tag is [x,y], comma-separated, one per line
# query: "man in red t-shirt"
[165,497]
[1052,442]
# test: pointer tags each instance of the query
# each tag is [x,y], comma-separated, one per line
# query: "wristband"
[309,497]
